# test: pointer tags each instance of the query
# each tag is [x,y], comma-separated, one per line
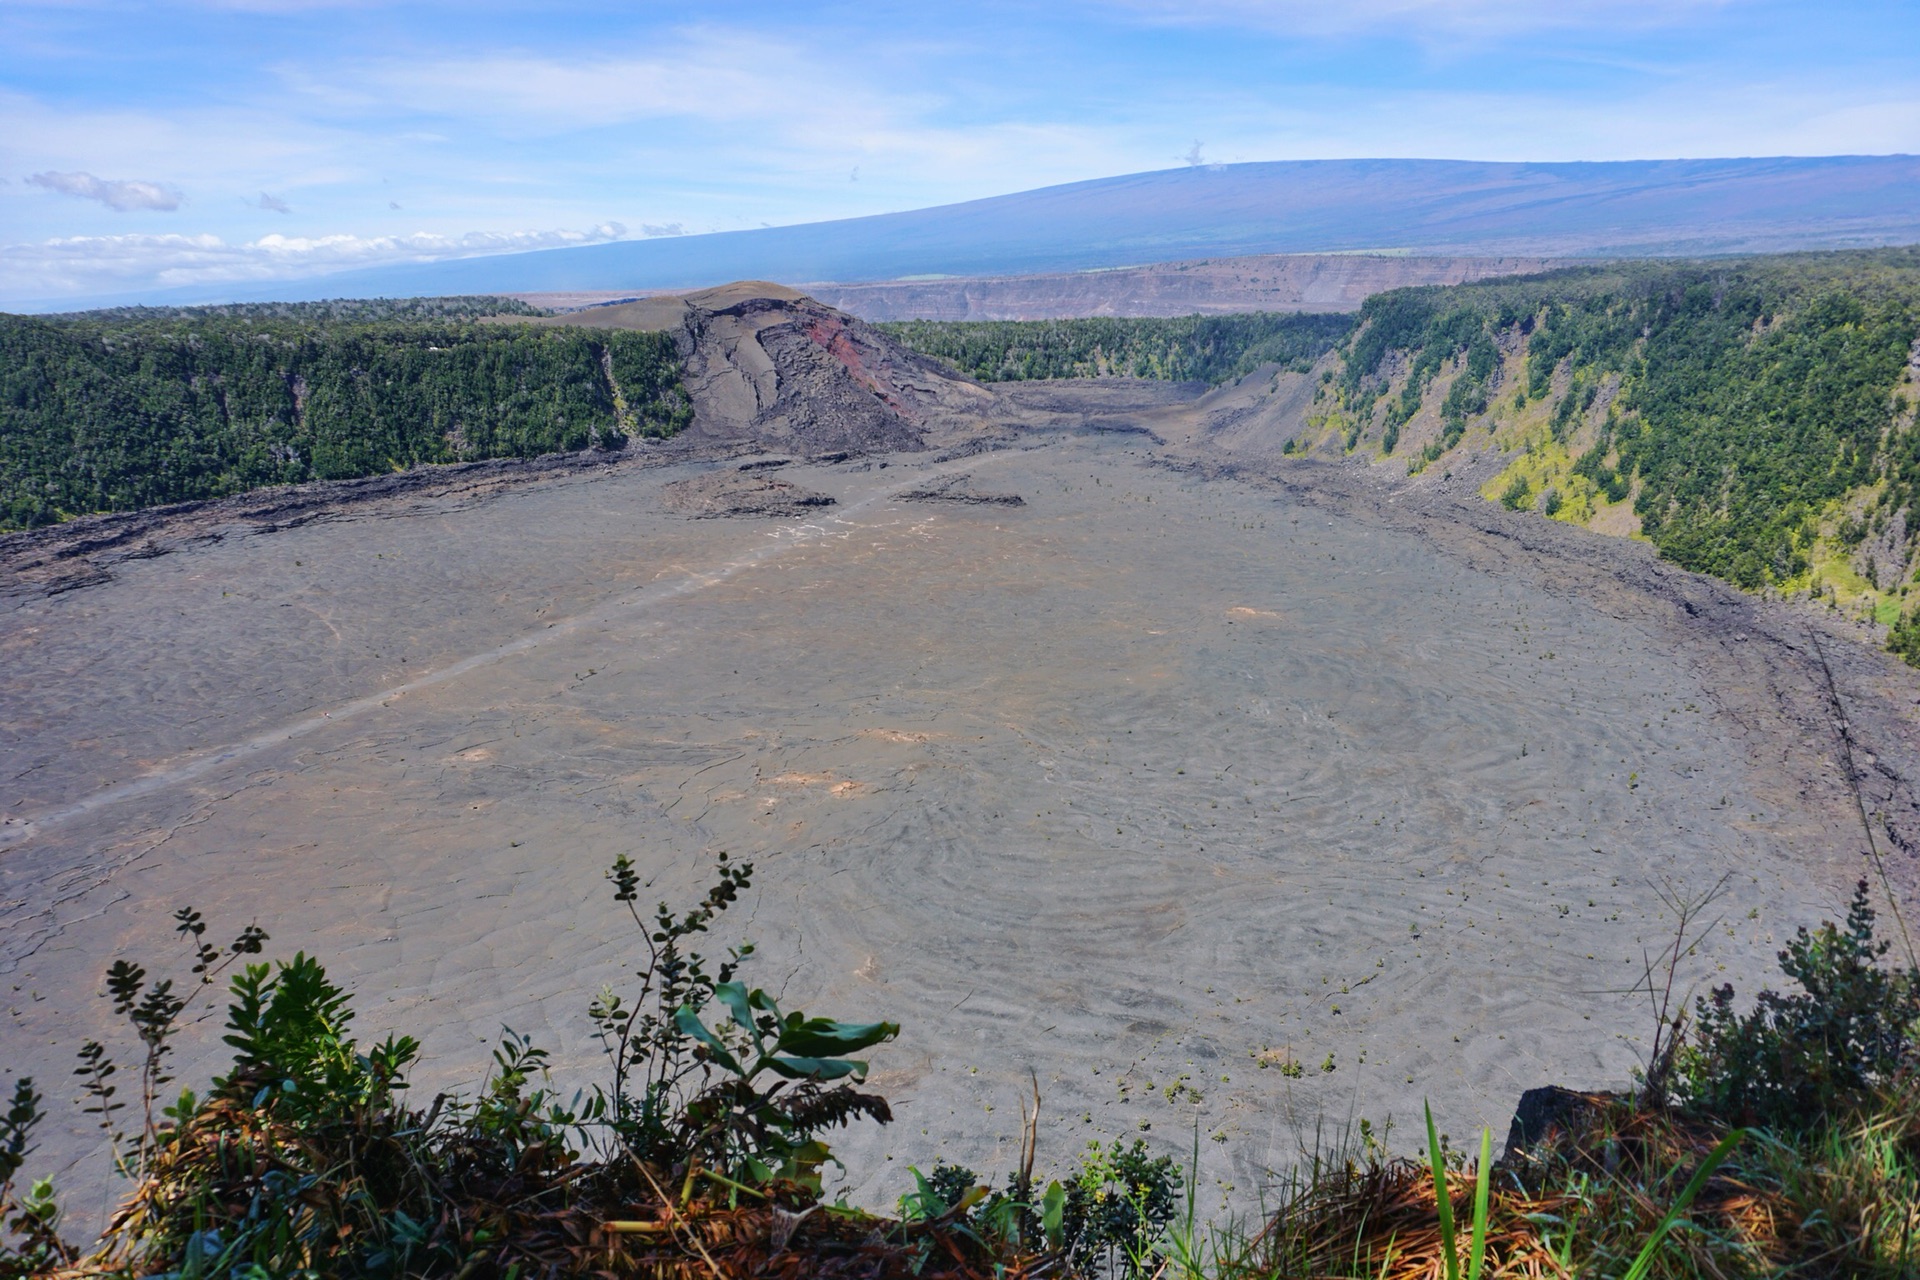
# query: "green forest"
[1751,394]
[115,411]
[1211,349]
[1754,414]
[351,310]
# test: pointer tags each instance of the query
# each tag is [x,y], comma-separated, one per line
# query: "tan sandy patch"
[899,735]
[835,785]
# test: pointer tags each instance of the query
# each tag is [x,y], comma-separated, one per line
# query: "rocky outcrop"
[1545,1112]
[959,489]
[746,491]
[770,368]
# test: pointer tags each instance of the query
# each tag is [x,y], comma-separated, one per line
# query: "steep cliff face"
[1207,286]
[769,367]
[1754,419]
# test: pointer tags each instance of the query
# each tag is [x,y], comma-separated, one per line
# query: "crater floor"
[1148,786]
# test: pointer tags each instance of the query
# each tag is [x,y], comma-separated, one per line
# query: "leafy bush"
[305,1159]
[1796,1061]
[687,1097]
[1117,1206]
[1109,1215]
[33,1218]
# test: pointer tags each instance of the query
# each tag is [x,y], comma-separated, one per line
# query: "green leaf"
[1477,1251]
[818,1068]
[741,1003]
[823,1037]
[1443,1200]
[1715,1158]
[690,1025]
[1053,1215]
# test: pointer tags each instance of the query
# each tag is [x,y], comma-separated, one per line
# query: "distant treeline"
[350,310]
[1212,349]
[1750,399]
[115,411]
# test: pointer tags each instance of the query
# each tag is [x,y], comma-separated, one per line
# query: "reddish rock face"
[771,368]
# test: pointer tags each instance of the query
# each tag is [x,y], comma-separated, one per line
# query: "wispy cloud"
[92,264]
[709,74]
[272,204]
[115,194]
[715,109]
[1448,19]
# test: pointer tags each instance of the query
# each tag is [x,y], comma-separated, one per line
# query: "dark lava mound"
[960,489]
[740,493]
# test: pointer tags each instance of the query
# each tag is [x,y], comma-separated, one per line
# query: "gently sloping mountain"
[1617,208]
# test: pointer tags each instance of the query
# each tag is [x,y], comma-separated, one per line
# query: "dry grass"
[1584,1202]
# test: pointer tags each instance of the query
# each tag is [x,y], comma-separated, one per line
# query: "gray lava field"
[1165,777]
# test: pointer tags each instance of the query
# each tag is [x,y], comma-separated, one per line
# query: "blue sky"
[159,144]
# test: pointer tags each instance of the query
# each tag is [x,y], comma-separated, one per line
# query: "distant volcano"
[1614,209]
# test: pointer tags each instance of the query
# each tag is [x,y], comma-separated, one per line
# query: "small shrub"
[1118,1206]
[1518,496]
[1903,637]
[1795,1061]
[1108,1217]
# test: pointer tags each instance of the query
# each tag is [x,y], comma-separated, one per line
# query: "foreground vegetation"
[112,411]
[1779,1139]
[1212,349]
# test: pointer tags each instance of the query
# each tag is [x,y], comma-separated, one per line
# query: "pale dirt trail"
[19,828]
[1143,785]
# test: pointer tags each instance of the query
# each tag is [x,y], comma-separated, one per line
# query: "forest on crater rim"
[1753,417]
[118,410]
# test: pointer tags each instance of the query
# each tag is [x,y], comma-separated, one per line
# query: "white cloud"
[1449,19]
[663,229]
[708,74]
[91,264]
[115,194]
[734,127]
